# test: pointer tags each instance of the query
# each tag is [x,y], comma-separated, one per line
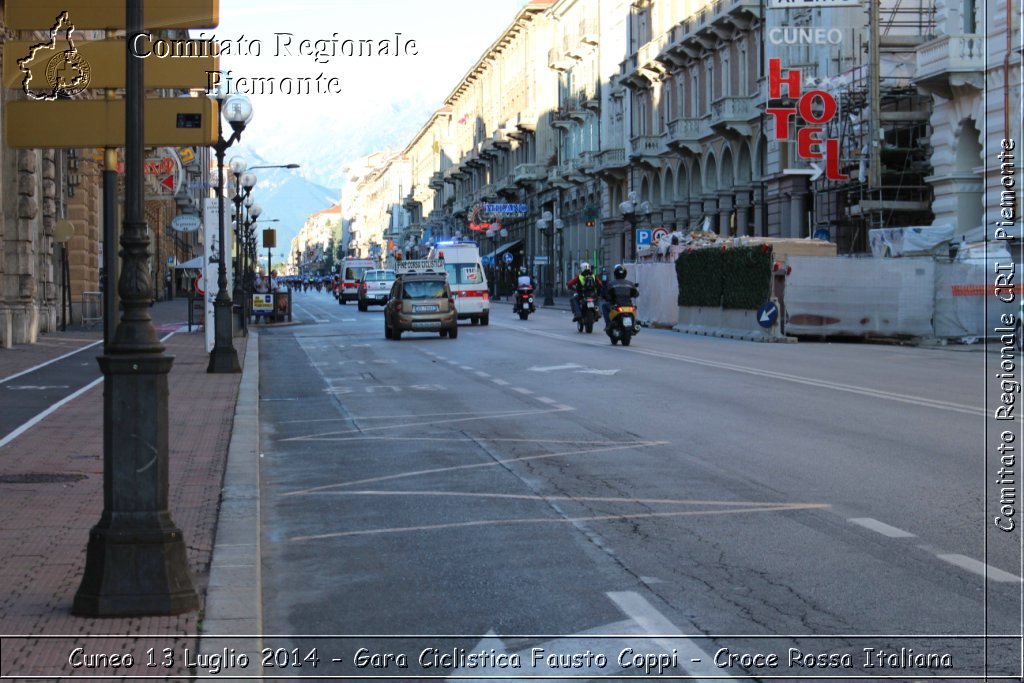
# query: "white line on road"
[500,382]
[545,399]
[796,379]
[979,568]
[49,362]
[651,621]
[465,367]
[880,527]
[523,391]
[549,368]
[481,373]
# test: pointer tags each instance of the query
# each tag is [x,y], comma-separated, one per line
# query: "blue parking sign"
[643,237]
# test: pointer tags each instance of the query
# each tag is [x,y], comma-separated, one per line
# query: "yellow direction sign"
[33,15]
[104,61]
[170,121]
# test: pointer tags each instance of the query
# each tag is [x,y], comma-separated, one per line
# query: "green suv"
[420,302]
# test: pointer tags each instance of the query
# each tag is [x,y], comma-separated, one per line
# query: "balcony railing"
[687,130]
[950,54]
[648,145]
[527,172]
[733,110]
[610,159]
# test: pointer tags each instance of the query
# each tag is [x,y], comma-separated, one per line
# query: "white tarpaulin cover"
[860,297]
[919,241]
[658,303]
[966,303]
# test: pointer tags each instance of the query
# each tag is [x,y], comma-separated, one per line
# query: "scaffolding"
[883,127]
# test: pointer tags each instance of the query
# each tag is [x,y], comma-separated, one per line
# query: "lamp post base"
[223,358]
[136,561]
[133,571]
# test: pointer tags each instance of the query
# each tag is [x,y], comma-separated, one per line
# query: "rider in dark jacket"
[619,291]
[584,284]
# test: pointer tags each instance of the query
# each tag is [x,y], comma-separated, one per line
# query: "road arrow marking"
[549,368]
[813,173]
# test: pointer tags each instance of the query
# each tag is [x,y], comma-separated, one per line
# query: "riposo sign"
[810,143]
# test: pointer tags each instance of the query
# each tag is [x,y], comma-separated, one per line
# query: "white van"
[351,270]
[467,279]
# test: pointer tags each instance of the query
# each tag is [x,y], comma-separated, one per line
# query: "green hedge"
[734,277]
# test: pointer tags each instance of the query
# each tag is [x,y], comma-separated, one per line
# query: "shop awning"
[503,248]
[195,263]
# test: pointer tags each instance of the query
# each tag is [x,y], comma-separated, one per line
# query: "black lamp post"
[136,563]
[632,211]
[548,225]
[237,110]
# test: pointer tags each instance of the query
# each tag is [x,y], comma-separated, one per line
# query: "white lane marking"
[49,362]
[549,368]
[796,379]
[545,399]
[596,372]
[979,568]
[56,406]
[481,373]
[651,621]
[41,387]
[465,367]
[880,527]
[521,390]
[500,382]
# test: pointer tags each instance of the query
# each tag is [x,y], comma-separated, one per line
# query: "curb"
[233,614]
[729,333]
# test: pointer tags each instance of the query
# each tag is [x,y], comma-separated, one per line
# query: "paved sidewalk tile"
[44,527]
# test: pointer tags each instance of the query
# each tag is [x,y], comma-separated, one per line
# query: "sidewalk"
[44,525]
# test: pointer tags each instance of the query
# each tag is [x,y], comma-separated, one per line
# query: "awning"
[503,248]
[195,263]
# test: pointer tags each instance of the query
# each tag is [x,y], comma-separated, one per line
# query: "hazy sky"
[450,36]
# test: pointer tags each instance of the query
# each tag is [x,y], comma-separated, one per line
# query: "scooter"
[623,325]
[589,313]
[524,304]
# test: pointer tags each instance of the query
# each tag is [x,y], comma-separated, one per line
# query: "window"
[424,289]
[464,273]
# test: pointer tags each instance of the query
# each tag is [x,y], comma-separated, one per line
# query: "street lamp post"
[631,211]
[548,225]
[223,358]
[136,562]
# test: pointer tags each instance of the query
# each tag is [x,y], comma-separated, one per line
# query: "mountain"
[284,194]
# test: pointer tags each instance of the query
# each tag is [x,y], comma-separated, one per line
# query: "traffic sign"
[31,15]
[643,237]
[170,121]
[658,233]
[507,257]
[106,64]
[768,314]
[540,260]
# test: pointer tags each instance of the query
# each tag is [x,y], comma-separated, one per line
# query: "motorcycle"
[622,324]
[524,304]
[589,313]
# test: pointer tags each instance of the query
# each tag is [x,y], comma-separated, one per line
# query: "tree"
[329,258]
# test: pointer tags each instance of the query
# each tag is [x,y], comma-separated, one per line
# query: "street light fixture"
[237,111]
[631,211]
[548,225]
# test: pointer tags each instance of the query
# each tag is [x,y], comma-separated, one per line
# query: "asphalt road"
[525,482]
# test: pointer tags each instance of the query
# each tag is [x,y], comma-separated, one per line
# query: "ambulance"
[350,272]
[466,279]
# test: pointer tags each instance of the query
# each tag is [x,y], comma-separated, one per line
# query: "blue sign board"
[507,257]
[487,260]
[643,237]
[768,314]
[505,208]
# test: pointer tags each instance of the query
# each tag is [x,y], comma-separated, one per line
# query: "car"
[375,287]
[420,300]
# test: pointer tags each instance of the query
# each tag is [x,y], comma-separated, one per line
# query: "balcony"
[686,134]
[712,23]
[487,193]
[647,147]
[437,180]
[559,60]
[525,173]
[733,114]
[950,61]
[453,173]
[505,186]
[610,162]
[589,33]
[559,176]
[501,139]
[642,68]
[562,119]
[487,149]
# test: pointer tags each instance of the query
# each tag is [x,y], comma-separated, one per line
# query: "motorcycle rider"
[619,292]
[523,281]
[583,285]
